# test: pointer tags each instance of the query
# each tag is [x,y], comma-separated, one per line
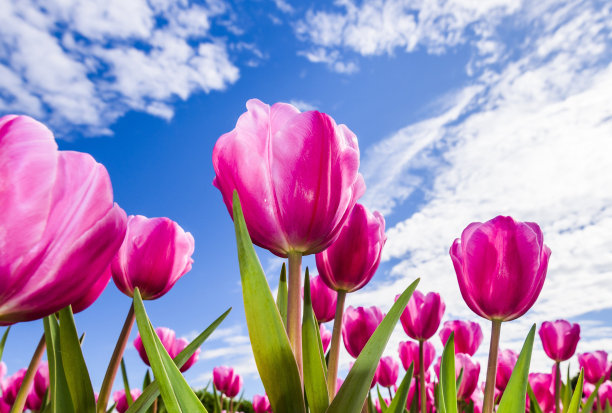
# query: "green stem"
[489,393]
[22,395]
[334,350]
[294,306]
[422,391]
[557,386]
[115,361]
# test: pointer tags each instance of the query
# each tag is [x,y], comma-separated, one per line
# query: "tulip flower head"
[387,371]
[156,252]
[468,335]
[59,225]
[121,400]
[358,325]
[296,175]
[409,354]
[172,345]
[261,404]
[501,267]
[559,339]
[605,395]
[595,366]
[326,337]
[421,317]
[37,392]
[323,300]
[471,373]
[506,360]
[351,261]
[543,386]
[227,381]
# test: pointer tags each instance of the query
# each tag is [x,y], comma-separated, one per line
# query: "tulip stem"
[115,361]
[423,393]
[294,306]
[557,385]
[22,395]
[489,393]
[390,395]
[334,350]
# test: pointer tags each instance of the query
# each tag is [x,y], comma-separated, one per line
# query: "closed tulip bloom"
[471,373]
[409,353]
[559,339]
[261,404]
[542,385]
[351,261]
[172,345]
[296,175]
[421,317]
[227,381]
[60,227]
[156,252]
[501,266]
[121,400]
[323,300]
[358,325]
[388,371]
[326,336]
[506,360]
[595,365]
[468,335]
[605,394]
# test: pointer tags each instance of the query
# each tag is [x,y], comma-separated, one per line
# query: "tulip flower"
[387,371]
[604,394]
[501,267]
[358,326]
[37,392]
[121,400]
[409,354]
[60,228]
[468,335]
[325,337]
[261,404]
[595,366]
[471,372]
[541,384]
[421,317]
[227,381]
[323,300]
[172,345]
[506,361]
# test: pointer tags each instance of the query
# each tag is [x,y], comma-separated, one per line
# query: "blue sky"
[463,109]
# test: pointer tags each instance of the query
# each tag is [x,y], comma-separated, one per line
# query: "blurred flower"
[323,300]
[261,404]
[172,345]
[156,252]
[409,353]
[506,360]
[226,381]
[543,387]
[501,267]
[358,325]
[468,335]
[421,317]
[559,339]
[595,365]
[471,372]
[296,175]
[326,336]
[37,392]
[60,228]
[387,371]
[121,400]
[605,394]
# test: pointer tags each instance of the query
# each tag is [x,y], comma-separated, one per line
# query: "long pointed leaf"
[281,295]
[514,397]
[126,383]
[61,401]
[588,406]
[398,404]
[381,401]
[448,382]
[577,396]
[355,388]
[271,349]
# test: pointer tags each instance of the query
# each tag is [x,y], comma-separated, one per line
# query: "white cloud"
[302,105]
[81,65]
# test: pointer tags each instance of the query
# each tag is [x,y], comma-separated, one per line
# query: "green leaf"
[3,341]
[355,388]
[535,406]
[77,376]
[217,408]
[126,383]
[315,384]
[588,406]
[567,390]
[574,404]
[439,398]
[281,295]
[398,404]
[271,349]
[61,401]
[381,401]
[513,399]
[448,382]
[178,397]
[151,392]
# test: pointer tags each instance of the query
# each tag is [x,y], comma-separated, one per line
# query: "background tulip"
[121,400]
[387,372]
[358,326]
[409,353]
[261,404]
[505,364]
[323,300]
[172,345]
[468,335]
[542,385]
[156,252]
[605,394]
[325,337]
[559,339]
[227,381]
[595,365]
[421,317]
[471,373]
[60,228]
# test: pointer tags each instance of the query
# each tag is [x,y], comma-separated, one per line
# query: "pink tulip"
[351,261]
[261,404]
[358,325]
[60,228]
[501,266]
[156,252]
[37,392]
[421,317]
[296,175]
[226,381]
[595,365]
[471,371]
[387,371]
[468,335]
[172,345]
[605,394]
[506,360]
[409,353]
[323,300]
[121,400]
[559,339]
[543,386]
[326,336]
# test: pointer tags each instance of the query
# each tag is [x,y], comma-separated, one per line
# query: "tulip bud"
[559,339]
[421,317]
[543,386]
[387,371]
[595,366]
[121,403]
[468,335]
[172,345]
[261,404]
[358,325]
[226,381]
[323,300]
[409,353]
[506,360]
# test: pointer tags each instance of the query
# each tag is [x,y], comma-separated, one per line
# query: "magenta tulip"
[542,385]
[421,317]
[36,394]
[351,261]
[387,371]
[326,336]
[595,366]
[605,394]
[358,325]
[559,339]
[323,300]
[172,345]
[501,266]
[506,360]
[227,381]
[156,252]
[121,400]
[60,228]
[471,373]
[468,335]
[409,353]
[261,404]
[296,175]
